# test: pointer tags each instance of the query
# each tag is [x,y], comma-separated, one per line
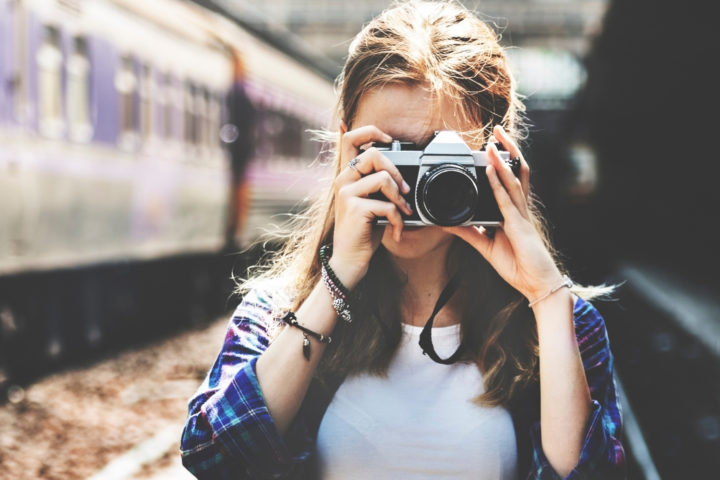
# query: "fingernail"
[405,187]
[408,207]
[387,138]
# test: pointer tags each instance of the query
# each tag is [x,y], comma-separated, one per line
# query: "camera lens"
[447,195]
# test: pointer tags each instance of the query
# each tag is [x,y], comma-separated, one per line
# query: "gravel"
[71,424]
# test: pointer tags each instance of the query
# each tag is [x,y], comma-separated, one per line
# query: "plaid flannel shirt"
[229,432]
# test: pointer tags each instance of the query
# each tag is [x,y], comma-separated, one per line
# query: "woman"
[526,392]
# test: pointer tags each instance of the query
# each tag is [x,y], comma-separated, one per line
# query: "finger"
[511,183]
[378,208]
[505,203]
[380,181]
[509,144]
[525,177]
[351,173]
[474,236]
[380,162]
[351,141]
[372,160]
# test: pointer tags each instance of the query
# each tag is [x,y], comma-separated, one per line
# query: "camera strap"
[426,334]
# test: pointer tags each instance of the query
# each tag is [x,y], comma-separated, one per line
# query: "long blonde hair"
[446,48]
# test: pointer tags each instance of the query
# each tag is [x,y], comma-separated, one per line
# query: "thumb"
[476,236]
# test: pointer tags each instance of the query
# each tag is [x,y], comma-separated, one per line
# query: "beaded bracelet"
[340,303]
[336,292]
[292,320]
[339,292]
[325,252]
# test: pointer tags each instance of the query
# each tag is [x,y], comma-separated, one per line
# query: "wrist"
[563,283]
[555,315]
[560,299]
[348,273]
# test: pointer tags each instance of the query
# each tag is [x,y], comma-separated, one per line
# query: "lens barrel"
[447,195]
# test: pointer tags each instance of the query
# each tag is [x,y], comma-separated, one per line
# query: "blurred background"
[145,147]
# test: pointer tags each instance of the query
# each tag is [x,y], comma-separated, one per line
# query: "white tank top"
[418,423]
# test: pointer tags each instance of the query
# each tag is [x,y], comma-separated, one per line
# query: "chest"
[418,422]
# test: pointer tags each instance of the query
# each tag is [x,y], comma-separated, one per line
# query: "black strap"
[426,334]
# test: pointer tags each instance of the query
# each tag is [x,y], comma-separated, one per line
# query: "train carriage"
[114,183]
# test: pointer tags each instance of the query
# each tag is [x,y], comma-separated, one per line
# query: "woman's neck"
[426,277]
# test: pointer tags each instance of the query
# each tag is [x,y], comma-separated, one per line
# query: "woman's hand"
[516,251]
[355,240]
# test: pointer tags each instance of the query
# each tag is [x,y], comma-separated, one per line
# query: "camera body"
[447,179]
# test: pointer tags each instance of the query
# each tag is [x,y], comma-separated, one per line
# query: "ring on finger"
[353,163]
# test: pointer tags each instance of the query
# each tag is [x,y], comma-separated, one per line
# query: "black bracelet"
[292,320]
[325,251]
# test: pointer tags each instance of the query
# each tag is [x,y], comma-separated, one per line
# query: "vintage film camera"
[448,183]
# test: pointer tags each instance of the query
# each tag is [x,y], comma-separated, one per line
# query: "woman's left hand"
[516,250]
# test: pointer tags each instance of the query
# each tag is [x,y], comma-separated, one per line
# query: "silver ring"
[354,162]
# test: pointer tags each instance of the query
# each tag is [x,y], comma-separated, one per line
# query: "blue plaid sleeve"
[602,456]
[229,432]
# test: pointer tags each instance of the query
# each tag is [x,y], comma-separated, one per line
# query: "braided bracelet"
[339,292]
[292,320]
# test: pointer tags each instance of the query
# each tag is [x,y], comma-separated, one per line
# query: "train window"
[147,93]
[310,147]
[268,127]
[163,100]
[49,60]
[199,101]
[17,75]
[203,108]
[168,98]
[5,72]
[282,135]
[288,139]
[126,86]
[214,112]
[78,91]
[190,121]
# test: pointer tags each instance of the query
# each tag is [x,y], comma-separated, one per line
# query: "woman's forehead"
[410,113]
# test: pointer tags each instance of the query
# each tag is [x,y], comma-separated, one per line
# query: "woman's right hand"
[355,239]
